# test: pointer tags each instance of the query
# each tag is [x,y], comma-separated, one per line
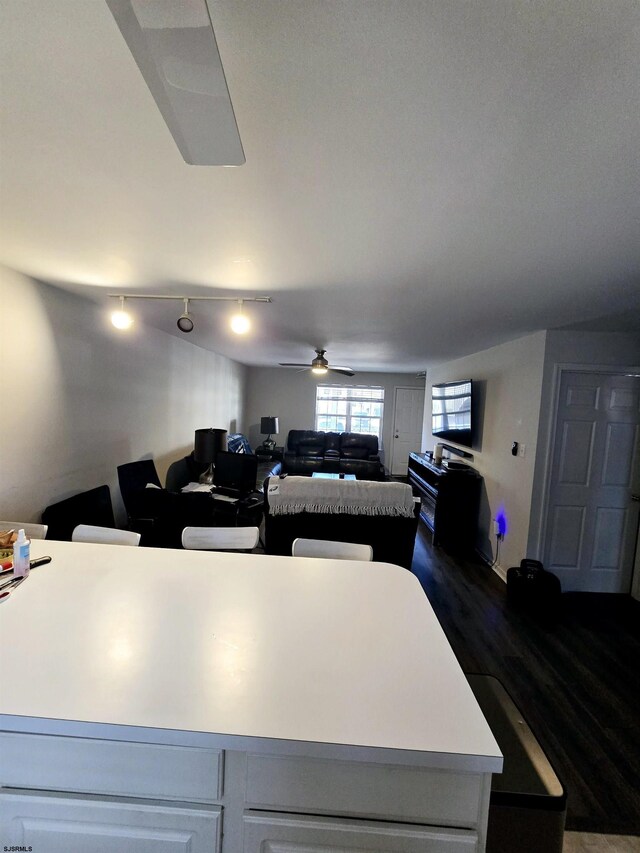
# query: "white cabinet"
[86,824]
[265,832]
[79,795]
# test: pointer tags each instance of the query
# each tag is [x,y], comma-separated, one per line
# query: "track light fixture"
[239,322]
[120,318]
[185,323]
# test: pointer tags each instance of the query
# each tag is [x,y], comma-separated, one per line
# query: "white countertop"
[314,657]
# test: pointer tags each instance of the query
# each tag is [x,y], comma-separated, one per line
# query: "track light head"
[185,323]
[120,318]
[240,323]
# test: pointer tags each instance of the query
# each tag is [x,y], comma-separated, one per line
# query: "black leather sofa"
[309,450]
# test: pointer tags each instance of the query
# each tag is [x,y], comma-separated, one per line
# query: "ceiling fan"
[320,365]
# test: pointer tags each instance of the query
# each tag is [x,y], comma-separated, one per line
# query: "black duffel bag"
[531,586]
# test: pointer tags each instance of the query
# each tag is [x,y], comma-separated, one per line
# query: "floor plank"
[583,842]
[575,678]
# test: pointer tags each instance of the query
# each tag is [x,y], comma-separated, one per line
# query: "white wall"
[291,396]
[508,382]
[79,398]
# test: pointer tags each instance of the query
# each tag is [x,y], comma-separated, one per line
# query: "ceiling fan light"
[319,371]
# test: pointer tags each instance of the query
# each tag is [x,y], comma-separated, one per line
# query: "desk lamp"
[208,442]
[269,426]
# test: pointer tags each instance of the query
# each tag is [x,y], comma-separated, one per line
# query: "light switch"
[521,449]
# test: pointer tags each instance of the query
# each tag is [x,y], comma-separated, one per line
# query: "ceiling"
[422,180]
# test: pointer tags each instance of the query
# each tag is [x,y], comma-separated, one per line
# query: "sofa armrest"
[332,454]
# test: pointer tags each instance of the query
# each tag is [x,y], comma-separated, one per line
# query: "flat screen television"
[452,411]
[235,471]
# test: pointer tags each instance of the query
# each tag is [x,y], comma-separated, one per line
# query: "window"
[349,408]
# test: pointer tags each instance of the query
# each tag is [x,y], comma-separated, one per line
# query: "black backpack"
[531,586]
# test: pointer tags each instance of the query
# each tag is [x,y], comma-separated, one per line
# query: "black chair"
[133,478]
[183,471]
[91,507]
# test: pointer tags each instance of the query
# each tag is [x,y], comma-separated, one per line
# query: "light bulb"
[240,323]
[120,318]
[320,371]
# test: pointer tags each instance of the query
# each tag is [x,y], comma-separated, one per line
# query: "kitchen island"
[163,700]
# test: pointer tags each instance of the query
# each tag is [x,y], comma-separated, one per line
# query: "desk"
[167,513]
[147,692]
[274,455]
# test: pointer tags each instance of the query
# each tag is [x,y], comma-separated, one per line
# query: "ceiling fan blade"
[344,370]
[291,364]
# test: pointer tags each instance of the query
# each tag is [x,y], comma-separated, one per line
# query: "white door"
[408,414]
[72,823]
[592,517]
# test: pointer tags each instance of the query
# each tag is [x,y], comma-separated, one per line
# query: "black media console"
[450,501]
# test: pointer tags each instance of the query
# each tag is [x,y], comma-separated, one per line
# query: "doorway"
[408,414]
[592,511]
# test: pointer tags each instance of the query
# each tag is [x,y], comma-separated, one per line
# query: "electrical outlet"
[496,527]
[522,449]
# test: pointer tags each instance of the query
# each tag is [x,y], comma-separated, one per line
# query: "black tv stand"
[449,501]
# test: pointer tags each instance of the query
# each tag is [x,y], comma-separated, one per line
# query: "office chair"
[331,550]
[220,538]
[104,535]
[33,531]
[90,507]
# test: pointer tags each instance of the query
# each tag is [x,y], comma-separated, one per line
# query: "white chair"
[220,538]
[33,531]
[331,550]
[104,535]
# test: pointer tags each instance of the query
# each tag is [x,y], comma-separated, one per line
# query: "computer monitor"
[236,471]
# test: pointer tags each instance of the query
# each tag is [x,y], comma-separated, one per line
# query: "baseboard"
[497,568]
[501,572]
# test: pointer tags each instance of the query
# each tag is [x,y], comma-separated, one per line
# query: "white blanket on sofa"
[355,497]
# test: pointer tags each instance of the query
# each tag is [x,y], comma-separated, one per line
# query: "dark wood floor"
[575,679]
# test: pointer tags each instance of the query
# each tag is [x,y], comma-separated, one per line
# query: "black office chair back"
[91,507]
[133,478]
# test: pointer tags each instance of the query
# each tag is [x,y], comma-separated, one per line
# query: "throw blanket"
[355,497]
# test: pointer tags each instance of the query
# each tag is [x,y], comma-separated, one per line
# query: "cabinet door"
[266,832]
[76,824]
